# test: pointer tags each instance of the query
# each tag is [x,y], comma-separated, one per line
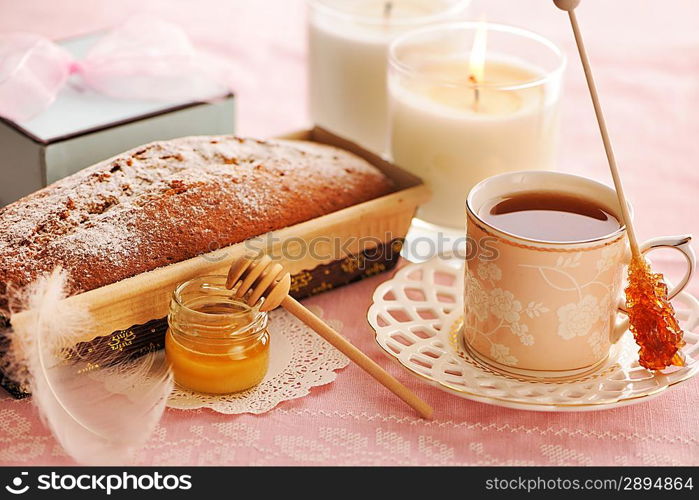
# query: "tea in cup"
[543,298]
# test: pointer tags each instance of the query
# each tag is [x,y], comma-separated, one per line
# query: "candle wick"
[476,92]
[387,8]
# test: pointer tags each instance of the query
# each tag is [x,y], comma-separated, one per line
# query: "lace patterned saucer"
[298,360]
[417,317]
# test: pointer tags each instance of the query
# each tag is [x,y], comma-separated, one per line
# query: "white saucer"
[417,318]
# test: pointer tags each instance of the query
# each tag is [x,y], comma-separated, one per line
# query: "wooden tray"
[145,297]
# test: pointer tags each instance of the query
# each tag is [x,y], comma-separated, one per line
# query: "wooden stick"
[569,6]
[357,356]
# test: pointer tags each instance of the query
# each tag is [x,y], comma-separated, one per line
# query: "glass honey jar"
[215,343]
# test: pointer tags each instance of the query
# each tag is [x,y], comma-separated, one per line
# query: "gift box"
[82,127]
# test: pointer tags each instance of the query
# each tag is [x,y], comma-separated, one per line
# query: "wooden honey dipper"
[263,278]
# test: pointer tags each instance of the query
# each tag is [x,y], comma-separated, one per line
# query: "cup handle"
[679,243]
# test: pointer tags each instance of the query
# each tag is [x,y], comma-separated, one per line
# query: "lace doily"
[298,360]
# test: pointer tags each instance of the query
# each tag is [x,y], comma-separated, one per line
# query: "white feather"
[100,414]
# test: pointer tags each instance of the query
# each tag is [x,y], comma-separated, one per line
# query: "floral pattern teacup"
[547,309]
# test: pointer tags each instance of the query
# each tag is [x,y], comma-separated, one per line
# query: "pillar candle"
[347,50]
[454,124]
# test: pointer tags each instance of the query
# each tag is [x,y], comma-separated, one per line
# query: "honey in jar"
[215,343]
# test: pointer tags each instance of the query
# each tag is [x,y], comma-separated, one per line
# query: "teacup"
[546,309]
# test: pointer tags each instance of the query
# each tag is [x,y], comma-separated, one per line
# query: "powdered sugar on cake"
[172,200]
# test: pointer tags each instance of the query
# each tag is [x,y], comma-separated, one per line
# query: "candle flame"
[477,61]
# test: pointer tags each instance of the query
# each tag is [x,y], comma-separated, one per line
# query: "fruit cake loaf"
[173,200]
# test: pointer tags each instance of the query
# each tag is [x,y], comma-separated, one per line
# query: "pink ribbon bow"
[139,60]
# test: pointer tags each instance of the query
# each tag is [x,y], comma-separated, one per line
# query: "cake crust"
[169,201]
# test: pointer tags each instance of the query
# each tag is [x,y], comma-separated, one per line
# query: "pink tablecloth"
[646,57]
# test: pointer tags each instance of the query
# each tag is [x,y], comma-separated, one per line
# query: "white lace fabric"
[299,360]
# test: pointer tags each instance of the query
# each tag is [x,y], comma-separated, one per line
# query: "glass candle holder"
[215,343]
[347,56]
[471,100]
